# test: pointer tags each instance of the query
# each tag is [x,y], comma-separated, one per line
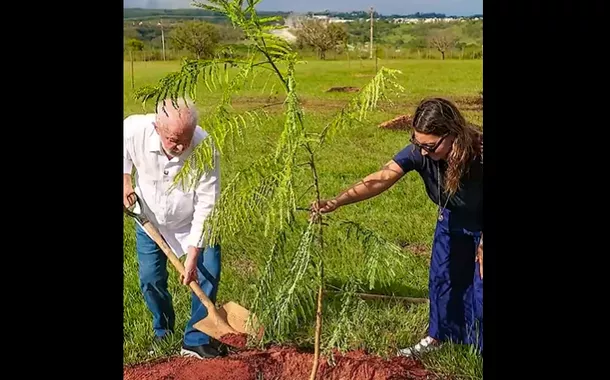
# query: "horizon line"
[326,10]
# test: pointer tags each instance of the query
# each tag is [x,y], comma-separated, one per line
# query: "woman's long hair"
[438,116]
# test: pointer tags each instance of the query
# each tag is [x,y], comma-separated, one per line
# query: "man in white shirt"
[157,146]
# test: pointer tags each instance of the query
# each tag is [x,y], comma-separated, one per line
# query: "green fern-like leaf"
[184,82]
[382,257]
[340,335]
[262,193]
[289,300]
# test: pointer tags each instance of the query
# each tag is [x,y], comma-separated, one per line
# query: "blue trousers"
[455,287]
[153,283]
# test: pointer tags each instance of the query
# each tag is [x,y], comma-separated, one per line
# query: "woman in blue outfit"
[448,155]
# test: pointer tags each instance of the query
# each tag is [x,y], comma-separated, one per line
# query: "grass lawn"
[403,214]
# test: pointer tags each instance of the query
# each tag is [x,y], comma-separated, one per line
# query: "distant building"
[330,19]
[411,20]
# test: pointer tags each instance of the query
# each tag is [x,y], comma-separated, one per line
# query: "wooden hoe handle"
[154,233]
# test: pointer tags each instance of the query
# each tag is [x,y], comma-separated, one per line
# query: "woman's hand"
[324,206]
[479,257]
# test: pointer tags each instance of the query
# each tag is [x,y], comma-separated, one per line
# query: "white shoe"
[425,345]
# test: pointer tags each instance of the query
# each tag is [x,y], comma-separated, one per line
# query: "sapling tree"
[268,192]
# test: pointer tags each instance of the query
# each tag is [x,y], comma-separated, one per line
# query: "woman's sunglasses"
[428,148]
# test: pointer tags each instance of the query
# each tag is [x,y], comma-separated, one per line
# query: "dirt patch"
[470,103]
[405,122]
[330,105]
[401,123]
[343,89]
[279,363]
[320,105]
[417,249]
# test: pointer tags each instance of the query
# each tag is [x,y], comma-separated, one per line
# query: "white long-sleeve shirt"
[178,215]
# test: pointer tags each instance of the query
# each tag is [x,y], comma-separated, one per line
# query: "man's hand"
[190,265]
[479,257]
[129,197]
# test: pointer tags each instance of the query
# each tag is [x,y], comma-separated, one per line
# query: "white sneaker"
[425,345]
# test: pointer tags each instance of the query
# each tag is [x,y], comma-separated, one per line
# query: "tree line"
[202,39]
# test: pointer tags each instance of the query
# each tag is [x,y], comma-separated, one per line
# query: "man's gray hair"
[183,105]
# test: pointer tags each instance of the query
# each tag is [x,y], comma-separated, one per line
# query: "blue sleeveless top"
[466,205]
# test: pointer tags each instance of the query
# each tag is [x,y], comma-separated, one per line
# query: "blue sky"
[449,7]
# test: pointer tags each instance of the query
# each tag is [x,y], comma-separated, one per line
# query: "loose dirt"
[279,363]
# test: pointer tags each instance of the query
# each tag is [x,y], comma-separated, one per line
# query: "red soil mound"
[402,122]
[279,363]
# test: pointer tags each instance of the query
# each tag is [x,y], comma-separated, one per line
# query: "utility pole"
[371,42]
[162,38]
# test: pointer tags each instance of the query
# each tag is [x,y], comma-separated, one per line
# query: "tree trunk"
[318,333]
[442,55]
[316,355]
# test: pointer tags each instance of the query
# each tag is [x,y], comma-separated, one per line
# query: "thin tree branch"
[371,296]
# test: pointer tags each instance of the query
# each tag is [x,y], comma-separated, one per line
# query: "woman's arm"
[372,185]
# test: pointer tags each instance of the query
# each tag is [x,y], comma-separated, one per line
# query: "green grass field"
[403,214]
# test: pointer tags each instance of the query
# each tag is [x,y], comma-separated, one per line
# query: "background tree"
[321,35]
[133,45]
[229,34]
[197,37]
[442,41]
